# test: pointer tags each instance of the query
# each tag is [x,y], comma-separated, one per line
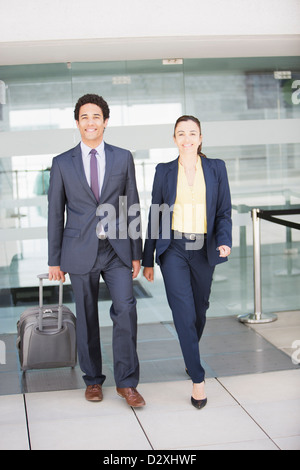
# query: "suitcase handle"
[60,302]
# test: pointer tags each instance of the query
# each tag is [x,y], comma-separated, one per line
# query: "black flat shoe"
[198,403]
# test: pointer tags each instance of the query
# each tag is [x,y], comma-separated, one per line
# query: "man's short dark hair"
[94,99]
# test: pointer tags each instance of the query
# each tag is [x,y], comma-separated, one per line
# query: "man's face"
[91,124]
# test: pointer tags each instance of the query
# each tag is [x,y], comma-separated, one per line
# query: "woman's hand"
[148,273]
[224,251]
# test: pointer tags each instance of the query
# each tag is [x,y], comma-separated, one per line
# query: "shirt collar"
[85,149]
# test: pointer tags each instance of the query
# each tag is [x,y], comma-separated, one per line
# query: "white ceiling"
[54,31]
[90,50]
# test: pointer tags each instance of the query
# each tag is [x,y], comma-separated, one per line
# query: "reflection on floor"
[28,296]
[231,295]
[228,348]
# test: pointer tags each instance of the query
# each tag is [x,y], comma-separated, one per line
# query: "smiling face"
[91,124]
[187,137]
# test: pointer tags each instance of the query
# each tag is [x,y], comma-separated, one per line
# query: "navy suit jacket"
[218,210]
[73,244]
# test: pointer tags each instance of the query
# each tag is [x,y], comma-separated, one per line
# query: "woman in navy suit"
[190,228]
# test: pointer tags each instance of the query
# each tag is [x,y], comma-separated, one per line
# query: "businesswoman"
[189,227]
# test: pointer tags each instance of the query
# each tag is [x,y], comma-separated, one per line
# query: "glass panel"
[144,92]
[37,97]
[265,177]
[239,88]
[151,96]
[156,94]
[107,79]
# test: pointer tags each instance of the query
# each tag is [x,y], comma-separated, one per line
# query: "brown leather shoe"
[94,392]
[132,396]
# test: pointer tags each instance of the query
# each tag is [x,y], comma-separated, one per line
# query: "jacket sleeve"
[153,222]
[223,221]
[134,211]
[56,211]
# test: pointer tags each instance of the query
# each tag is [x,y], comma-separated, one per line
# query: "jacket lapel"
[208,176]
[109,160]
[172,176]
[78,164]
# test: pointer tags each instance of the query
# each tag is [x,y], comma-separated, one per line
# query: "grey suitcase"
[47,335]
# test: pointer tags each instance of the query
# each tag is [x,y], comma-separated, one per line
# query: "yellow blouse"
[189,215]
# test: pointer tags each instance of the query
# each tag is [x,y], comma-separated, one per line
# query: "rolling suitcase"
[47,335]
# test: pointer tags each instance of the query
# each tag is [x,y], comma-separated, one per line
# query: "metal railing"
[258,316]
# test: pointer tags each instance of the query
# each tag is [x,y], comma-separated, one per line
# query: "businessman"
[95,184]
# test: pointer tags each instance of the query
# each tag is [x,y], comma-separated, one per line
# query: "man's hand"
[148,273]
[55,274]
[136,266]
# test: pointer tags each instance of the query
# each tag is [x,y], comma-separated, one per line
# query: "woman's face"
[187,137]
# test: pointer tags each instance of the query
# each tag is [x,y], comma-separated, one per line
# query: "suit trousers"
[118,278]
[188,277]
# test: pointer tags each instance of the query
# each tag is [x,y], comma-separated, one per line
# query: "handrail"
[258,316]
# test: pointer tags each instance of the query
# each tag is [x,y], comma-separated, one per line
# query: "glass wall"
[250,118]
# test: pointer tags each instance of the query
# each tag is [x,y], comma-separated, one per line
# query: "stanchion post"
[256,263]
[257,316]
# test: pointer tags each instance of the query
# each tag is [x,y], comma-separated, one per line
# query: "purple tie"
[94,174]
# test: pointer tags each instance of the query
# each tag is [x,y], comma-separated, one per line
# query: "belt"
[189,236]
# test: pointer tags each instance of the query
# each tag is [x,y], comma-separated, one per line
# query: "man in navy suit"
[95,184]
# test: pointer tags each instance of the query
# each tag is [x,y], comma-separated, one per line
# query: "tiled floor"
[255,411]
[253,390]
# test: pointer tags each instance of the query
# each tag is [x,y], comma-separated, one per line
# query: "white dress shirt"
[100,155]
[86,158]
